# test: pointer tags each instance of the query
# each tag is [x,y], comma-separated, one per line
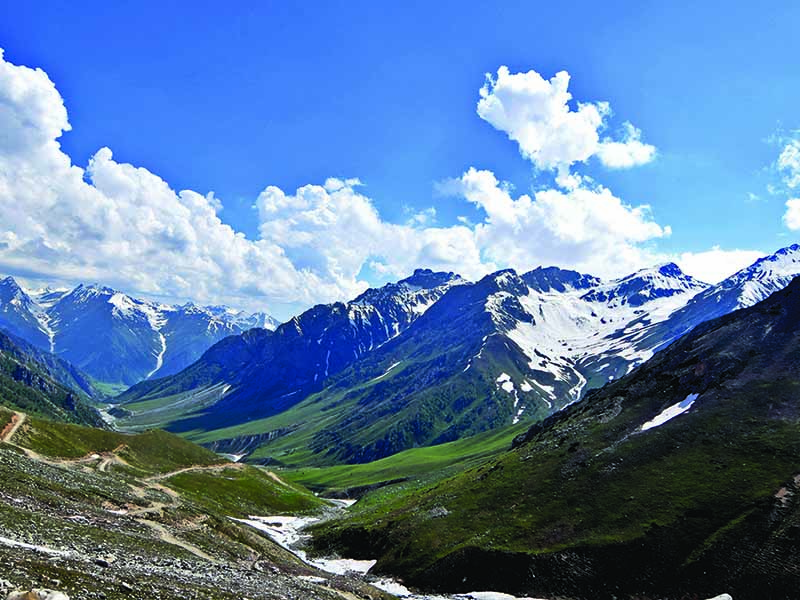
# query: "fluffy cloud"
[535,113]
[119,224]
[791,218]
[716,264]
[630,152]
[333,231]
[789,164]
[124,226]
[588,229]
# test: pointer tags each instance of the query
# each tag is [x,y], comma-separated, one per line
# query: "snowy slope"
[574,335]
[113,336]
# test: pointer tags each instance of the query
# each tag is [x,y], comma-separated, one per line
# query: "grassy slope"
[26,386]
[418,464]
[157,412]
[152,451]
[243,492]
[47,500]
[69,501]
[589,503]
[308,430]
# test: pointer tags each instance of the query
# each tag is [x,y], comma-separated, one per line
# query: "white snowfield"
[593,324]
[604,329]
[671,412]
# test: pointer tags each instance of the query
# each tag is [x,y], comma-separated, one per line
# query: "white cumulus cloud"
[791,217]
[630,152]
[588,229]
[535,113]
[119,224]
[716,264]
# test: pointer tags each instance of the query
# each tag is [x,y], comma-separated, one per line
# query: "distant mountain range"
[265,372]
[116,338]
[435,358]
[680,480]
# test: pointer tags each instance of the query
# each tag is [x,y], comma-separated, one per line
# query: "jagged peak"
[422,279]
[556,279]
[647,284]
[784,262]
[668,270]
[92,289]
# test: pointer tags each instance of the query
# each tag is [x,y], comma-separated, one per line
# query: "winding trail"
[103,461]
[216,467]
[165,536]
[16,422]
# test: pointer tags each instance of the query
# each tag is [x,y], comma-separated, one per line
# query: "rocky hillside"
[36,382]
[98,514]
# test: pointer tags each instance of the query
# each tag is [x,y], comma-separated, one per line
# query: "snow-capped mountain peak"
[12,293]
[112,335]
[554,279]
[646,285]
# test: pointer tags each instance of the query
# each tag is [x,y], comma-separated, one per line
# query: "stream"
[288,533]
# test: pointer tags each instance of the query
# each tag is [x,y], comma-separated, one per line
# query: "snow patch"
[671,412]
[285,531]
[44,549]
[159,355]
[379,377]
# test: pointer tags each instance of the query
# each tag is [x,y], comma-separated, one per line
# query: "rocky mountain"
[42,384]
[678,480]
[261,373]
[20,315]
[485,355]
[114,337]
[507,348]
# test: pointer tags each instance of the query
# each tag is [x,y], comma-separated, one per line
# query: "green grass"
[157,412]
[418,464]
[243,492]
[108,388]
[153,451]
[5,416]
[587,484]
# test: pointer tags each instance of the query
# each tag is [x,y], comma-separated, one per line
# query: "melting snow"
[505,382]
[15,544]
[285,531]
[379,377]
[671,412]
[159,355]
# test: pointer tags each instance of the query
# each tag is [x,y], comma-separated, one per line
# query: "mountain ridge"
[114,337]
[486,354]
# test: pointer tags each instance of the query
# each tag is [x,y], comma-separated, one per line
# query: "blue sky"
[235,99]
